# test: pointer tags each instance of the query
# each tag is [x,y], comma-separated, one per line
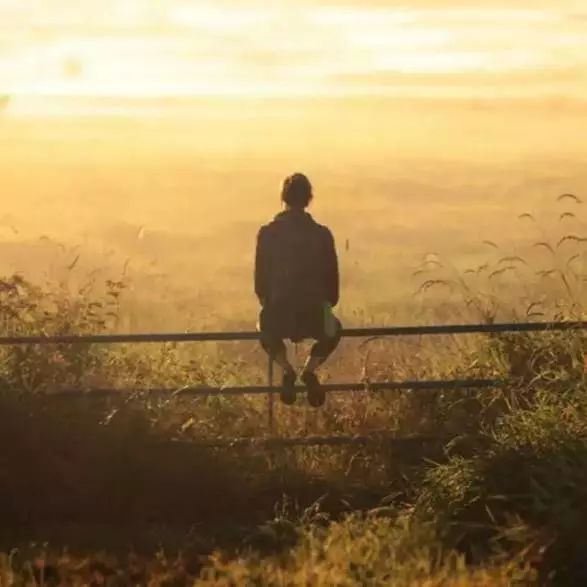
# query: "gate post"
[270,397]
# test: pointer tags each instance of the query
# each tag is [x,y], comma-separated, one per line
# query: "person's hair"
[297,191]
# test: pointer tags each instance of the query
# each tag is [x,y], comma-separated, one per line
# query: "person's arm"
[331,273]
[261,267]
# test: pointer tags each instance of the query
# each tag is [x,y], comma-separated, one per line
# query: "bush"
[532,476]
[362,550]
[29,310]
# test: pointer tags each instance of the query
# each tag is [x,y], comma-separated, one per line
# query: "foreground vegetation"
[506,507]
[361,550]
[131,485]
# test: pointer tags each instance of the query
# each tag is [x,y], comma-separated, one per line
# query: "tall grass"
[501,504]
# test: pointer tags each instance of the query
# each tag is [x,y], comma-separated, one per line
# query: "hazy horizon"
[176,49]
[157,134]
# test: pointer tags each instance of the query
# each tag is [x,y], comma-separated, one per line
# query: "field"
[127,226]
[174,202]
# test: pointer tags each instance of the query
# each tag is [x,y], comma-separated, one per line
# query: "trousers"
[279,324]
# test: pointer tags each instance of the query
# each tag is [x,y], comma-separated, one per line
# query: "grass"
[526,485]
[123,484]
[360,550]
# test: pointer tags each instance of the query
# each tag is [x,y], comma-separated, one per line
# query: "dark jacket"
[294,241]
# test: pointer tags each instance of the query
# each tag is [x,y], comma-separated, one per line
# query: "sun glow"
[175,49]
[214,17]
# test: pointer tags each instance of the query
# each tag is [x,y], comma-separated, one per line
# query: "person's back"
[297,272]
[297,282]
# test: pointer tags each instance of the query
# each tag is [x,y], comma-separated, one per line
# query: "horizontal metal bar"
[284,442]
[243,336]
[130,338]
[261,389]
[466,329]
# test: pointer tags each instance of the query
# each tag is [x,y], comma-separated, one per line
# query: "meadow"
[118,227]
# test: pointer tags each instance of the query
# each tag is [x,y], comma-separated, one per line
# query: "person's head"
[296,192]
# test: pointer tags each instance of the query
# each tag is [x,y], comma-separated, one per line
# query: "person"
[297,283]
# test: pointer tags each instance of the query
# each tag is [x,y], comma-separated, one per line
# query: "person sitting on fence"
[297,283]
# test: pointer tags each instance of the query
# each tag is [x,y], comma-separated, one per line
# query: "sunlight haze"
[424,126]
[202,48]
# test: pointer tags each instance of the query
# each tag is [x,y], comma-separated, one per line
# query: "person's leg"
[271,341]
[275,348]
[322,349]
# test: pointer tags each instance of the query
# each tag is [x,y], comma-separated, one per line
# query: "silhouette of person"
[297,283]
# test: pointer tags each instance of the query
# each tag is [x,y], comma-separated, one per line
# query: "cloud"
[167,46]
[446,4]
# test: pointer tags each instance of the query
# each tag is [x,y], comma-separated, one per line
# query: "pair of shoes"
[316,393]
[288,388]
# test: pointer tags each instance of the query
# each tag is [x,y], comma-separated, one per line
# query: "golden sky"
[180,48]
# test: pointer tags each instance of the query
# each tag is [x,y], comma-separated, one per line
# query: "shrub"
[533,475]
[362,550]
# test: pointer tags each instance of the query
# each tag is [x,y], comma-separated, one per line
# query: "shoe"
[288,388]
[316,393]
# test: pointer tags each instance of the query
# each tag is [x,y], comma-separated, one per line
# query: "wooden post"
[270,396]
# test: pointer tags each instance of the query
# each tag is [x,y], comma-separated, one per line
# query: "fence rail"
[277,442]
[244,336]
[430,385]
[371,333]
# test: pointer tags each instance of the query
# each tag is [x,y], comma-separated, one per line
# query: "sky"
[183,49]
